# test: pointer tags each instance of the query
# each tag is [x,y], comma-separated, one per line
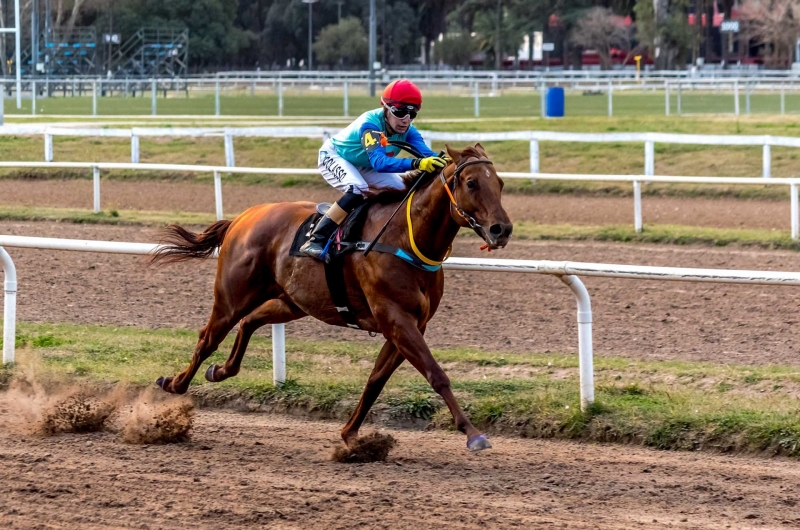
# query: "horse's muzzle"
[498,235]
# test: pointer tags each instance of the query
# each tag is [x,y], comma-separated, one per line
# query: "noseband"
[453,202]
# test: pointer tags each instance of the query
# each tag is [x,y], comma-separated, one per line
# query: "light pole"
[372,39]
[310,34]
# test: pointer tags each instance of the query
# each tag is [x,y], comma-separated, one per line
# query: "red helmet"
[402,92]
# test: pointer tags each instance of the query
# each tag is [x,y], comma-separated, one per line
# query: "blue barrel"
[555,102]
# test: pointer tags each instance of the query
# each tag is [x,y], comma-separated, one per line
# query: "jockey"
[355,161]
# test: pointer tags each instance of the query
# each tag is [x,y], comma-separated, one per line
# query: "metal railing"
[635,180]
[726,92]
[566,271]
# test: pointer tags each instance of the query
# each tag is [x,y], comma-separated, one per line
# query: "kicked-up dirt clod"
[77,412]
[373,447]
[154,422]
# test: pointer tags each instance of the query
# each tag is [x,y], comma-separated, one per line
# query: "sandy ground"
[545,209]
[265,471]
[516,313]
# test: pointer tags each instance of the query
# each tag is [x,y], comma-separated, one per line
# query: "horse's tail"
[179,244]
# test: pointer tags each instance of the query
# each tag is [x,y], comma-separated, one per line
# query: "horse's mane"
[390,196]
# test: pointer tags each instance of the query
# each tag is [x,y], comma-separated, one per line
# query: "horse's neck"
[433,224]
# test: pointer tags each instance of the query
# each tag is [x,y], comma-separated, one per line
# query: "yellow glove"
[430,164]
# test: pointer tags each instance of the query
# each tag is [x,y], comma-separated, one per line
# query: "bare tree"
[774,24]
[601,31]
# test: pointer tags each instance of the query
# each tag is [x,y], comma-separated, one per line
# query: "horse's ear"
[455,155]
[480,149]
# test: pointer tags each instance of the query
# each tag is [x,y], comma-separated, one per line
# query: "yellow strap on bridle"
[411,238]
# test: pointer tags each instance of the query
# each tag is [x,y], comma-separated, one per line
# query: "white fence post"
[278,354]
[48,147]
[216,99]
[280,98]
[679,100]
[783,99]
[766,160]
[94,98]
[33,98]
[477,100]
[610,99]
[2,103]
[794,211]
[649,158]
[542,100]
[153,91]
[666,98]
[637,206]
[747,98]
[134,148]
[230,159]
[96,188]
[736,97]
[218,196]
[346,99]
[9,307]
[585,353]
[534,156]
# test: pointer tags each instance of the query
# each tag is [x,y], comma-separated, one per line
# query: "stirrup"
[313,249]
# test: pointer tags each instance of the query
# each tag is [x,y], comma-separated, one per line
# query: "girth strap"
[334,276]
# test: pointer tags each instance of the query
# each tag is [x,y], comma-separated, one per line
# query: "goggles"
[401,111]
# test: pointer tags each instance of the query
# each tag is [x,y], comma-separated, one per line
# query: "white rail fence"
[478,86]
[228,134]
[567,272]
[635,180]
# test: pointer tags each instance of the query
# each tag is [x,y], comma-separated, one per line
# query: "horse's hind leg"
[276,311]
[219,325]
[387,362]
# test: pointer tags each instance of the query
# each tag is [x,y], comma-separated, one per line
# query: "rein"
[473,224]
[453,203]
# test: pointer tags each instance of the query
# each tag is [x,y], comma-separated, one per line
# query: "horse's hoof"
[160,382]
[479,443]
[210,373]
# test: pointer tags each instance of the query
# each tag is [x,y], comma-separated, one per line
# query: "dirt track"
[544,209]
[263,471]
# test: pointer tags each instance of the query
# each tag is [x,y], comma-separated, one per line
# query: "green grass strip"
[668,405]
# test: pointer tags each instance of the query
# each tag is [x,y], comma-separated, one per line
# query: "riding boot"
[316,245]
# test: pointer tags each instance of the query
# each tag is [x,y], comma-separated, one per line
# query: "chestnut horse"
[259,283]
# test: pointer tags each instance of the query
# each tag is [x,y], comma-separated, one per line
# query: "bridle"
[454,203]
[471,222]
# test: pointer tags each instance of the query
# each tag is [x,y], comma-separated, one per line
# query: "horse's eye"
[471,184]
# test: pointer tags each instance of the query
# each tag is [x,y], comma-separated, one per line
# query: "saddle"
[346,239]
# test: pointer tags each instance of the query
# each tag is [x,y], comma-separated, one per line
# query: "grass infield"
[667,405]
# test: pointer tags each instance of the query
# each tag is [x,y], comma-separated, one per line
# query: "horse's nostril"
[496,230]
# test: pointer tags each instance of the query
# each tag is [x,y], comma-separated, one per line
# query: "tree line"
[273,34]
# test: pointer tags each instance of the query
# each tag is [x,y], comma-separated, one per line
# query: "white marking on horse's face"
[488,174]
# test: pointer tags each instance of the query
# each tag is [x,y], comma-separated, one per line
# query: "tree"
[344,43]
[455,49]
[213,37]
[663,29]
[601,31]
[775,24]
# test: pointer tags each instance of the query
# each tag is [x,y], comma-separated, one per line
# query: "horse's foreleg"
[276,311]
[387,362]
[402,330]
[218,327]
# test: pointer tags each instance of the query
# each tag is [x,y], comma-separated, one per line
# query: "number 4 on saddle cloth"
[344,240]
